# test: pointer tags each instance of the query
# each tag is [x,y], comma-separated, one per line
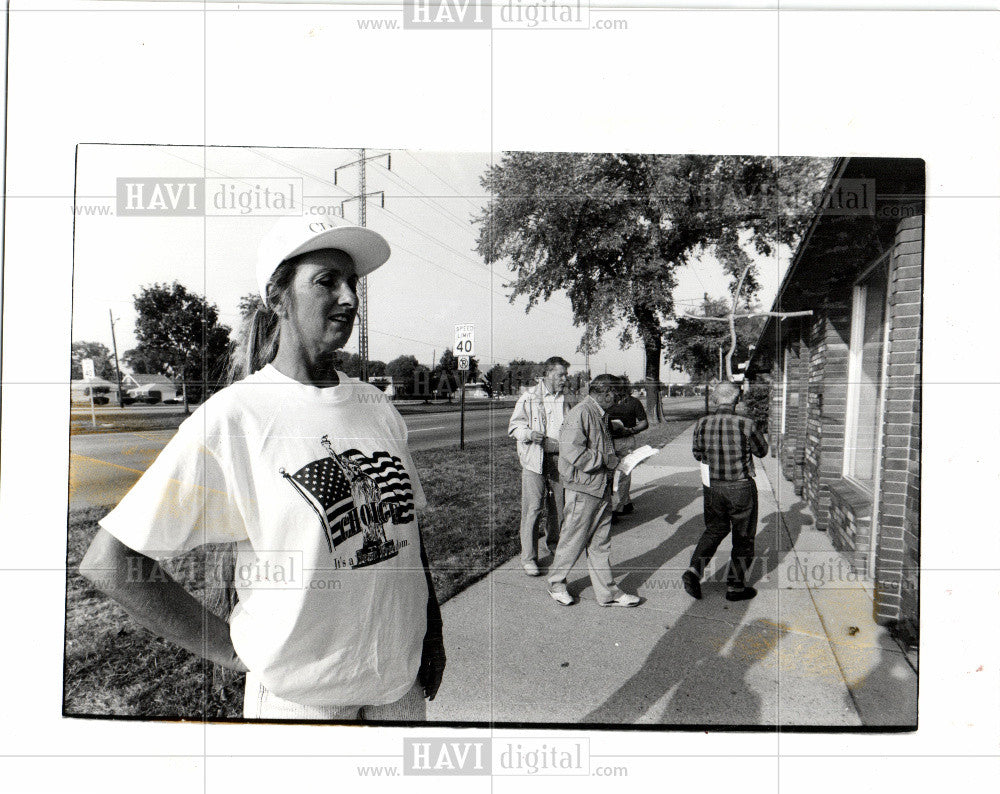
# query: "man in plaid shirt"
[726,442]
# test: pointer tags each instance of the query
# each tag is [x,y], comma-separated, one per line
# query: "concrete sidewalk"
[805,652]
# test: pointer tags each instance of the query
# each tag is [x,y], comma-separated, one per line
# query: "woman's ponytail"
[257,337]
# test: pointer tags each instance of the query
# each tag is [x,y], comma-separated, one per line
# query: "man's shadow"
[701,665]
[708,683]
[678,490]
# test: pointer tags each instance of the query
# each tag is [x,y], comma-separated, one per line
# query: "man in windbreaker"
[535,425]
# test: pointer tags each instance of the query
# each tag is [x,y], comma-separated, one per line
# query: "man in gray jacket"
[535,425]
[587,462]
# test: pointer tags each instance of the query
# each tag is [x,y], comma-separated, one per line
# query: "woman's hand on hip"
[432,664]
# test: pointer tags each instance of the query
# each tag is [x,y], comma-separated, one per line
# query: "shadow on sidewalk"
[881,697]
[676,491]
[703,664]
[777,535]
[702,660]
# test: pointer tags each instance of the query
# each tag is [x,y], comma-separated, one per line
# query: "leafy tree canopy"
[143,362]
[402,367]
[179,331]
[104,367]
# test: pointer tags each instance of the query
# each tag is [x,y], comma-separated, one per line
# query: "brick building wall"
[774,412]
[813,432]
[823,453]
[898,548]
[793,440]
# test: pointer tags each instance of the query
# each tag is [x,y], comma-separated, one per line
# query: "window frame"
[855,352]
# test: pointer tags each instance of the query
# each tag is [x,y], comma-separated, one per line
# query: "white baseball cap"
[294,235]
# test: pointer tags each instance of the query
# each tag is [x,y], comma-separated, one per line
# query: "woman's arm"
[433,659]
[159,603]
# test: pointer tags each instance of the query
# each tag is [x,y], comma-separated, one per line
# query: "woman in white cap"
[308,472]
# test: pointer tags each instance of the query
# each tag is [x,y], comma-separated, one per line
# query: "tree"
[611,229]
[497,380]
[104,367]
[521,372]
[692,346]
[249,303]
[402,367]
[179,332]
[348,363]
[142,362]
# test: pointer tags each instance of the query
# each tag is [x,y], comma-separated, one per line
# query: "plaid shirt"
[726,441]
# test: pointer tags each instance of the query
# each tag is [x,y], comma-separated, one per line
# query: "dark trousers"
[729,507]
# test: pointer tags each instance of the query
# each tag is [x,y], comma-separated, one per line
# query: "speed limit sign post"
[87,365]
[465,340]
[465,347]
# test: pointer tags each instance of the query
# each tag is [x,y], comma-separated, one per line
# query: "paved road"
[103,466]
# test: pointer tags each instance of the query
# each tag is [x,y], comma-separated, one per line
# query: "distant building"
[103,391]
[846,390]
[150,388]
[476,391]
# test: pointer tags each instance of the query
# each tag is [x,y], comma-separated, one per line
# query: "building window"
[865,376]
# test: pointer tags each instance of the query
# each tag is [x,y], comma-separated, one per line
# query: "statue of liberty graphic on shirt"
[349,500]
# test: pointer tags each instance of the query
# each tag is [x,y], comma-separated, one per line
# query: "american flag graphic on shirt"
[326,488]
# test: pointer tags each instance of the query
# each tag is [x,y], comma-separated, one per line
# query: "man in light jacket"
[587,462]
[535,425]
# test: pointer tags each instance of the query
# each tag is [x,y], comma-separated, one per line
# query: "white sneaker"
[623,600]
[561,594]
[531,568]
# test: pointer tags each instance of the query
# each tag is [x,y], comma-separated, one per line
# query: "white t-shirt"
[319,489]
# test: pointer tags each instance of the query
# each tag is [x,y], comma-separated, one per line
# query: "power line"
[444,245]
[400,219]
[442,180]
[362,199]
[302,172]
[434,205]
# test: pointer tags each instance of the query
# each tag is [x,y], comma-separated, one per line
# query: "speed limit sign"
[465,340]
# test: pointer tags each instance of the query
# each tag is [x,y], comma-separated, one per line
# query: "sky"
[433,280]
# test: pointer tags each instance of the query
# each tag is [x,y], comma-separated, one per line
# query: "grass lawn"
[113,666]
[124,422]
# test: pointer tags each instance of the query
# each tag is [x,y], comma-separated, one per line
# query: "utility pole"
[118,372]
[731,318]
[461,431]
[362,199]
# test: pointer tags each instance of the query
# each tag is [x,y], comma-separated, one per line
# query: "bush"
[756,400]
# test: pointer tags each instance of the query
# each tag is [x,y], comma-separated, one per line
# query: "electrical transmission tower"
[362,198]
